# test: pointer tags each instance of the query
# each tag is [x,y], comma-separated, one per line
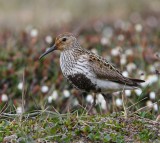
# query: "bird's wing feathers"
[104,70]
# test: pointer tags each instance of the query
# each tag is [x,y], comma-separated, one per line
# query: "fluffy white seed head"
[44,89]
[89,98]
[66,93]
[127,92]
[20,86]
[49,39]
[152,95]
[138,27]
[19,110]
[138,91]
[119,102]
[34,33]
[4,97]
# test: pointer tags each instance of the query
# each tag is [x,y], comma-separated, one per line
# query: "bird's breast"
[82,82]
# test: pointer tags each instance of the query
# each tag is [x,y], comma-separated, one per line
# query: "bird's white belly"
[106,85]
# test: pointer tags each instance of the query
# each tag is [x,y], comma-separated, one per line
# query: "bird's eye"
[64,39]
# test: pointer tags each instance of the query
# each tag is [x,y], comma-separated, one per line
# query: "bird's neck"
[68,59]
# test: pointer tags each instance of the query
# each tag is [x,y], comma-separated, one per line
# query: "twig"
[144,108]
[23,91]
[137,103]
[123,102]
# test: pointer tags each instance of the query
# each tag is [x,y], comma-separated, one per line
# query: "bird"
[88,71]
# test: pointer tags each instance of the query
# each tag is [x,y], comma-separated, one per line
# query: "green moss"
[69,127]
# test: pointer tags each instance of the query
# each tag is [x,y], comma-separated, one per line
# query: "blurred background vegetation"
[19,13]
[125,32]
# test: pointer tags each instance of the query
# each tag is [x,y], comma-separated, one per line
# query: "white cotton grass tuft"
[129,52]
[50,99]
[138,27]
[123,59]
[107,32]
[89,98]
[150,79]
[105,41]
[20,86]
[66,93]
[53,96]
[101,100]
[152,95]
[128,93]
[44,89]
[75,102]
[34,32]
[155,107]
[4,97]
[138,91]
[141,74]
[125,73]
[115,51]
[120,37]
[94,51]
[48,39]
[149,103]
[19,110]
[131,66]
[152,68]
[119,102]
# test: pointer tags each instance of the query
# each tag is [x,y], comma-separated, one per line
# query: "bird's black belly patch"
[82,82]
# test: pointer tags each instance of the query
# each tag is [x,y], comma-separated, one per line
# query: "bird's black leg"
[94,102]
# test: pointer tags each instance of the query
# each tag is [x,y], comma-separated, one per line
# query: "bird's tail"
[136,81]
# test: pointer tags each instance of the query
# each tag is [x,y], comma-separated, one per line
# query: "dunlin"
[87,71]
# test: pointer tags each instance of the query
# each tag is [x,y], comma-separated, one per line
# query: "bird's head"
[62,42]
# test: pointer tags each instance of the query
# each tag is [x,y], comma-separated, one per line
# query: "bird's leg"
[94,102]
[124,106]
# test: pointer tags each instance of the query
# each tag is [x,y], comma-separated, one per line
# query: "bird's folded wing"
[105,71]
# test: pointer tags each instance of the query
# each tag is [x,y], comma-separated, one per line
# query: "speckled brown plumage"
[88,71]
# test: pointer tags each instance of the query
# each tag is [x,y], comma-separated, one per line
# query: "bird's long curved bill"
[48,51]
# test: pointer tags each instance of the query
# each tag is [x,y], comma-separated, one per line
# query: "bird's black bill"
[48,51]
